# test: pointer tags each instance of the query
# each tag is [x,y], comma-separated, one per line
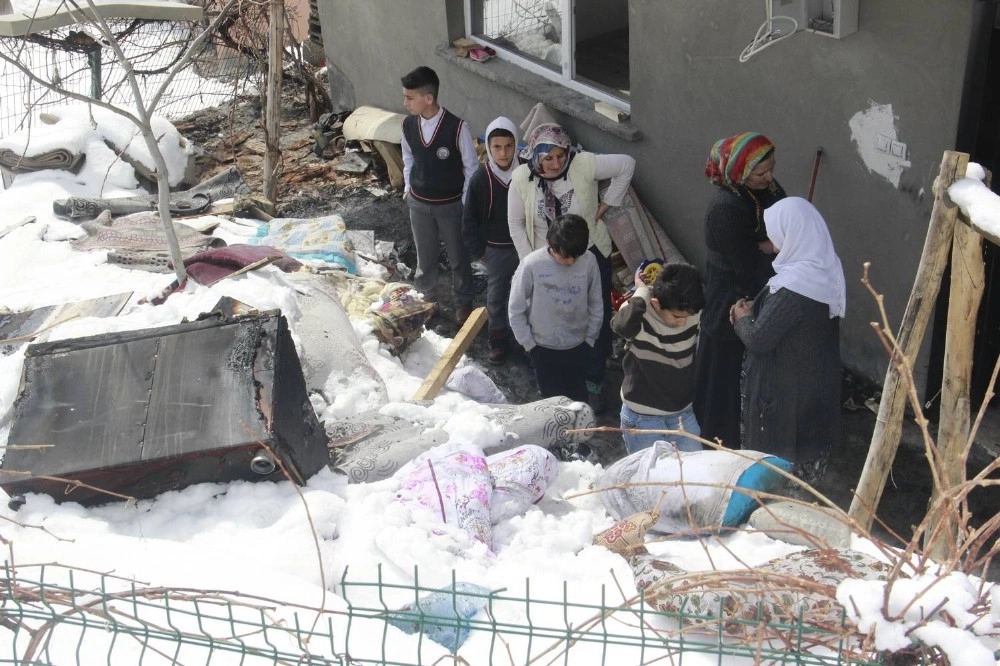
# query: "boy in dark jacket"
[660,323]
[487,235]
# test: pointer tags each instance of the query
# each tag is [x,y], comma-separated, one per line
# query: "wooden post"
[889,424]
[452,355]
[967,277]
[272,113]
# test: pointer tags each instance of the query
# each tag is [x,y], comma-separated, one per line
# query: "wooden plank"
[452,355]
[246,269]
[16,225]
[392,155]
[967,285]
[24,326]
[985,232]
[889,423]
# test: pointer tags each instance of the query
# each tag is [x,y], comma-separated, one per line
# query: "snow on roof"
[28,18]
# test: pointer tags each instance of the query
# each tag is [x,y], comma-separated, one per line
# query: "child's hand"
[640,277]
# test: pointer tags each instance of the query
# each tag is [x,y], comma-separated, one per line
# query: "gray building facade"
[883,103]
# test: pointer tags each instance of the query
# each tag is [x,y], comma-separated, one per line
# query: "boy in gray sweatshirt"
[555,308]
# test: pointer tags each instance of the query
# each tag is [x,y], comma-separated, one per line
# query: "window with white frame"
[581,43]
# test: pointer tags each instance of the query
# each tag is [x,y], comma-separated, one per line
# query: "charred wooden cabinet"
[142,412]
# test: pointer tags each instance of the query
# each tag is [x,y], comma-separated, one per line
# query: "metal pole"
[94,60]
[812,181]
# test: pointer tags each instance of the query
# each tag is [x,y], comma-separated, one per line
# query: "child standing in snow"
[487,235]
[438,161]
[556,308]
[660,323]
[556,180]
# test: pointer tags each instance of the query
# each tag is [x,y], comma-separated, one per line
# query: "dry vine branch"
[911,559]
[142,117]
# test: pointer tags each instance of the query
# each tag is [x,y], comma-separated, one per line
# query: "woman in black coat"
[739,264]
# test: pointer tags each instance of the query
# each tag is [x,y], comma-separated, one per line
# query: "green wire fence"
[50,614]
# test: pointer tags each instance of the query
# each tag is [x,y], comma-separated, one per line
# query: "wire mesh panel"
[62,616]
[523,628]
[75,61]
[532,27]
[57,615]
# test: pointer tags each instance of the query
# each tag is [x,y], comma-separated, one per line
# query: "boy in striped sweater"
[660,324]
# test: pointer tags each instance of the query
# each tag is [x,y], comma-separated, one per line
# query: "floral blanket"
[460,486]
[799,589]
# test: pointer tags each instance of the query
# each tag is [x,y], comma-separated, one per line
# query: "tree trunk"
[272,112]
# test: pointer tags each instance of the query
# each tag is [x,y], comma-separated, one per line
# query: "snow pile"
[257,537]
[941,611]
[978,203]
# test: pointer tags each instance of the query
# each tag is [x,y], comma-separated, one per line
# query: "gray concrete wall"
[900,76]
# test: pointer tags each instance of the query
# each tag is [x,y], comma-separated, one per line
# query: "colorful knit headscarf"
[733,159]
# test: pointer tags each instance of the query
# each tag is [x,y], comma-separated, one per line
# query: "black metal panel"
[204,395]
[301,437]
[89,405]
[142,412]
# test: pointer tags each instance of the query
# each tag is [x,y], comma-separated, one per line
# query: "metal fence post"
[94,60]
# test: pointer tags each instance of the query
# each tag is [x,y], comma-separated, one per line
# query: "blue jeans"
[637,442]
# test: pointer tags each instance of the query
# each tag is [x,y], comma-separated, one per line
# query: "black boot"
[499,346]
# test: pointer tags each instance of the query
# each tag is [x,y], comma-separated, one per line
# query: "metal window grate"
[531,27]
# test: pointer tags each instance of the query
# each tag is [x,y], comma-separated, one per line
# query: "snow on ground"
[257,537]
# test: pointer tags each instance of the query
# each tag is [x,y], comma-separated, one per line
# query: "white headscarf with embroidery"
[806,262]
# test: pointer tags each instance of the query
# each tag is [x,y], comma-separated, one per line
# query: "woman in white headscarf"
[557,180]
[791,370]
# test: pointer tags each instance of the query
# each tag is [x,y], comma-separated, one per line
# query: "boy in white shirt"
[439,158]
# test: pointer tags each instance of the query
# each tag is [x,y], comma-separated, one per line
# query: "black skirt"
[717,389]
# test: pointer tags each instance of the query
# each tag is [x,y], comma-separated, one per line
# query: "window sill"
[551,93]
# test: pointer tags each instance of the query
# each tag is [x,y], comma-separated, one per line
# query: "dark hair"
[568,235]
[423,79]
[678,287]
[498,133]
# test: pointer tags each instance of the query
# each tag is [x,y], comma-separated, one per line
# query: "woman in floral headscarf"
[557,180]
[738,265]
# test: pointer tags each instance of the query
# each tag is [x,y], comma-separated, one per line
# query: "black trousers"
[602,347]
[561,371]
[717,389]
